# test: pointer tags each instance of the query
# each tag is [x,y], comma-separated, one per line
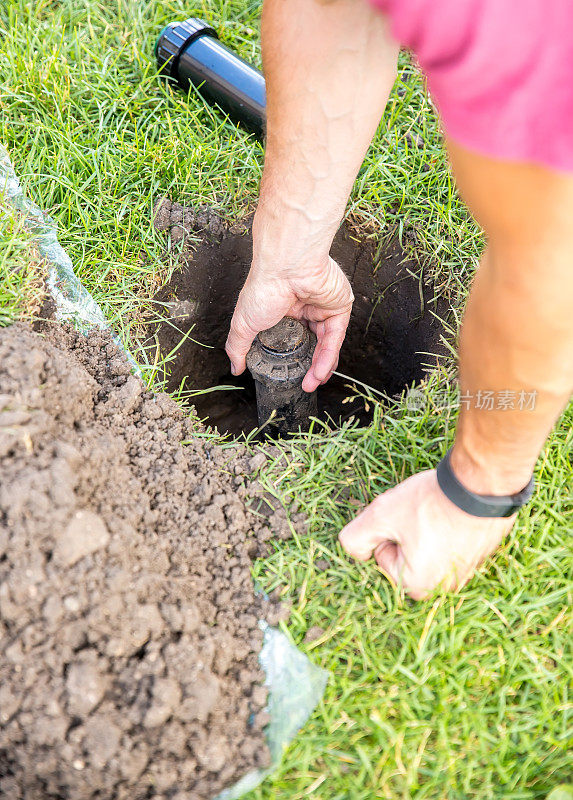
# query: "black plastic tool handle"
[190,53]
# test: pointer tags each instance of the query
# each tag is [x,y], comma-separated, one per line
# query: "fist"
[420,539]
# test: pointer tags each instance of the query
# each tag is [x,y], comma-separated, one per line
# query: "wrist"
[285,240]
[487,473]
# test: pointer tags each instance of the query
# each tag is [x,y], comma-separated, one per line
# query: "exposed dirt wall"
[394,332]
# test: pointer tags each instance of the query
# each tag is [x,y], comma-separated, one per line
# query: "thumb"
[388,558]
[261,304]
[240,338]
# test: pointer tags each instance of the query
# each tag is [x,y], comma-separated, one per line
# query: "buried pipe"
[278,360]
[190,54]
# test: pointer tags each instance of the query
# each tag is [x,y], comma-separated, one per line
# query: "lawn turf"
[460,696]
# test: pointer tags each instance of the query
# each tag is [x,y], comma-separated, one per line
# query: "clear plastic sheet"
[73,301]
[295,684]
[295,688]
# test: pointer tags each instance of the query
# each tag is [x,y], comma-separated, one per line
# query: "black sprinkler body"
[278,360]
[190,53]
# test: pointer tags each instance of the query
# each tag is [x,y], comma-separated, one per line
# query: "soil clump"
[129,623]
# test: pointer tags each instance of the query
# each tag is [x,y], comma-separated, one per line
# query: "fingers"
[364,534]
[390,559]
[323,300]
[369,535]
[403,529]
[330,336]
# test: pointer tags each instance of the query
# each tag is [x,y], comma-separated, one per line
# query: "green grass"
[465,696]
[21,270]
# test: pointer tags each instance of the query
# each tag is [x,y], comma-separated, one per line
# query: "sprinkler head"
[190,54]
[278,360]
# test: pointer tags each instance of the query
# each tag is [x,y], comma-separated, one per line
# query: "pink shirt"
[500,71]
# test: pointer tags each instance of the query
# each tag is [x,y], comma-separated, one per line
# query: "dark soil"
[129,637]
[394,333]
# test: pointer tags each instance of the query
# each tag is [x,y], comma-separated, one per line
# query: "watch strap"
[479,505]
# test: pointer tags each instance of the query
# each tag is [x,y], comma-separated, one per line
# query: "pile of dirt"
[395,331]
[129,650]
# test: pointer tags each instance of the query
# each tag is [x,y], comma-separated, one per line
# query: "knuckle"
[416,592]
[241,325]
[345,540]
[238,332]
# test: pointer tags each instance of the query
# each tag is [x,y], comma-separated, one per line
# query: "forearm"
[516,375]
[516,346]
[329,69]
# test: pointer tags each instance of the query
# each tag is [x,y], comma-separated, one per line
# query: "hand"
[420,538]
[319,296]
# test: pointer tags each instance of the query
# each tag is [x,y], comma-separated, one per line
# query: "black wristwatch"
[479,505]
